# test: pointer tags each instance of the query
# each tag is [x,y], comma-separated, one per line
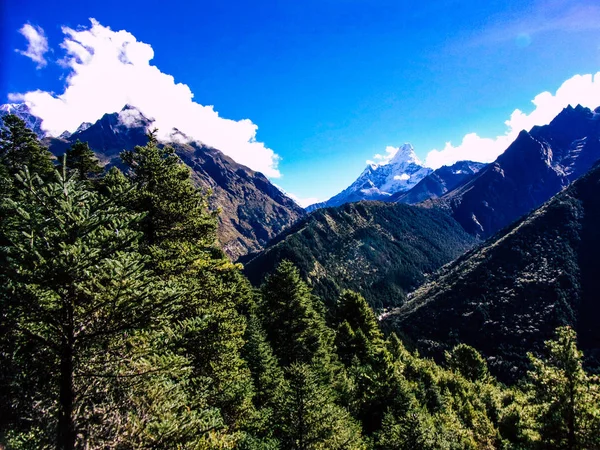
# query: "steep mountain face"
[381,250]
[537,165]
[22,110]
[254,211]
[439,182]
[506,297]
[380,181]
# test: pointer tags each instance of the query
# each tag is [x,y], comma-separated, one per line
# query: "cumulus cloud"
[580,89]
[109,69]
[380,160]
[37,44]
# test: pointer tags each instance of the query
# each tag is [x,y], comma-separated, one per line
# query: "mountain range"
[253,210]
[508,296]
[381,181]
[538,164]
[439,182]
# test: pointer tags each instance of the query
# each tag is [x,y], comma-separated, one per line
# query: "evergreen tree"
[309,418]
[81,159]
[73,287]
[176,211]
[361,347]
[468,362]
[566,398]
[180,238]
[20,147]
[354,309]
[295,329]
[266,373]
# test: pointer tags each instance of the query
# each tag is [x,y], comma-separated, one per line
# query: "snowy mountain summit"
[381,180]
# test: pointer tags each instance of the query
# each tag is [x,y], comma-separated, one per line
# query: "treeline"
[124,326]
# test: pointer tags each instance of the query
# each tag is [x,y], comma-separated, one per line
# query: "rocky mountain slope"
[381,250]
[438,182]
[380,181]
[537,165]
[253,210]
[506,297]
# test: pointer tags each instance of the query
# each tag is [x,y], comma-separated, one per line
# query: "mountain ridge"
[536,166]
[253,210]
[517,287]
[381,250]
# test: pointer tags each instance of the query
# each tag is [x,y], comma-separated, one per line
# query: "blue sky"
[330,83]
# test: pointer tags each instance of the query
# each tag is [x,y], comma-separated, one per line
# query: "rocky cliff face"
[537,165]
[380,181]
[253,211]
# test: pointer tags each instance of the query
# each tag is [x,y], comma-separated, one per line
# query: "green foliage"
[566,399]
[73,287]
[80,159]
[379,250]
[468,362]
[291,318]
[309,417]
[508,296]
[20,147]
[175,209]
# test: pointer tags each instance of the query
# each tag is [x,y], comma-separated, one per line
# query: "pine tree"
[266,373]
[361,347]
[354,309]
[468,362]
[566,398]
[20,147]
[295,329]
[309,418]
[180,238]
[176,211]
[81,159]
[73,287]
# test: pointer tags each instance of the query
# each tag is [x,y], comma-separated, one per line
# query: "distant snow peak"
[84,126]
[396,171]
[405,154]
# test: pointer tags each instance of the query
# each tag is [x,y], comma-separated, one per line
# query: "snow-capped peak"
[405,155]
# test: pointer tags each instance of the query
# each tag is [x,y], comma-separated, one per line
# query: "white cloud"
[304,202]
[402,177]
[109,69]
[37,44]
[380,159]
[580,89]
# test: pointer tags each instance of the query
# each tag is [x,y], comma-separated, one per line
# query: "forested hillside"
[124,326]
[380,250]
[538,274]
